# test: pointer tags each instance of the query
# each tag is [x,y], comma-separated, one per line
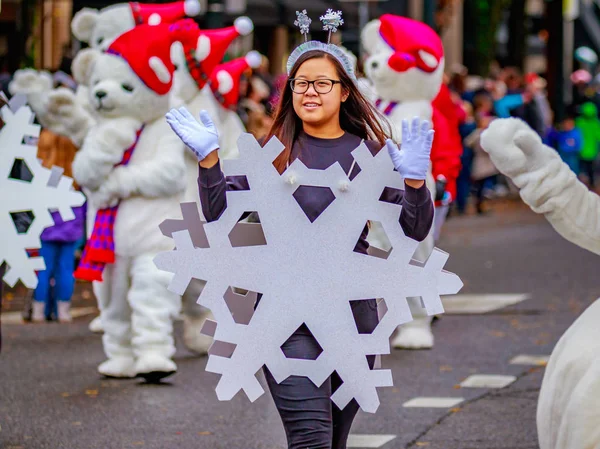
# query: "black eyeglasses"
[322,86]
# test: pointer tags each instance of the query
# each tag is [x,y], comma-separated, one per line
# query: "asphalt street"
[51,396]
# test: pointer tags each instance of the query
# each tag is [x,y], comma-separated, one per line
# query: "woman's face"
[312,107]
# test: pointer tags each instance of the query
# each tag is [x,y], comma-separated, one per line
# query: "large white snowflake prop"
[308,273]
[47,190]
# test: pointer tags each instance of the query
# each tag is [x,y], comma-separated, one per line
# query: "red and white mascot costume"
[197,57]
[99,28]
[405,67]
[133,170]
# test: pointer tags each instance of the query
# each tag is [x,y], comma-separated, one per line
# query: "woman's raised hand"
[412,158]
[201,139]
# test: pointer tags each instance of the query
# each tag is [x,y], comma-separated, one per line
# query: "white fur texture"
[100,27]
[546,184]
[243,25]
[154,19]
[411,85]
[125,95]
[192,8]
[35,86]
[202,48]
[160,69]
[254,59]
[149,190]
[371,39]
[58,110]
[82,65]
[225,82]
[67,116]
[568,412]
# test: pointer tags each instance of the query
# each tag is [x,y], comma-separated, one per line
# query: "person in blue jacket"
[568,141]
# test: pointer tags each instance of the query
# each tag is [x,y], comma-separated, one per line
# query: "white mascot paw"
[513,146]
[416,335]
[95,326]
[120,367]
[61,102]
[192,338]
[26,81]
[104,197]
[154,367]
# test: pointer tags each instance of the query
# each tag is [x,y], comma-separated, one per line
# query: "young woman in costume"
[321,118]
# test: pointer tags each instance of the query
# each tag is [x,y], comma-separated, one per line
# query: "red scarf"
[100,247]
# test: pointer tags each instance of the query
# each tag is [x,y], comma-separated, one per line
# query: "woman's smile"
[310,105]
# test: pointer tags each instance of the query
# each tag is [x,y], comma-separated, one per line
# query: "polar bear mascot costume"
[133,168]
[69,114]
[568,411]
[405,69]
[197,55]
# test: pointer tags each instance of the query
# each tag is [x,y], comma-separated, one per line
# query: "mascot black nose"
[374,65]
[100,94]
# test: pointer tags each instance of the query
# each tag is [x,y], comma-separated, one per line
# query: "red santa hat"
[409,39]
[204,49]
[154,14]
[147,50]
[225,79]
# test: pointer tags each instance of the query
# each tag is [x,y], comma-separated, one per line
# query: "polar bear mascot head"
[406,58]
[134,76]
[99,28]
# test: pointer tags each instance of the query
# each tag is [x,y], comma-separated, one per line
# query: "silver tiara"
[331,22]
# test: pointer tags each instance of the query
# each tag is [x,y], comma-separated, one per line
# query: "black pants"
[311,420]
[587,167]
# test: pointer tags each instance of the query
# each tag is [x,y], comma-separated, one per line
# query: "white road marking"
[487,381]
[366,441]
[433,402]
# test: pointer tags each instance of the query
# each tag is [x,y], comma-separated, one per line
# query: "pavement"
[477,389]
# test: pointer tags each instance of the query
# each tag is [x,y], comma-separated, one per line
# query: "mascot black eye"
[99,40]
[127,87]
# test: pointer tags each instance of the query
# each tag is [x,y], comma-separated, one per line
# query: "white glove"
[412,159]
[201,140]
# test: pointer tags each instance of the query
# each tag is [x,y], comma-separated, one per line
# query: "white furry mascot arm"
[546,184]
[75,121]
[102,149]
[164,174]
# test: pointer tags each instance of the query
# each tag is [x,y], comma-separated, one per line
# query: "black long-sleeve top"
[416,216]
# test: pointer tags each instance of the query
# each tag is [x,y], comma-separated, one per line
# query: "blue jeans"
[59,258]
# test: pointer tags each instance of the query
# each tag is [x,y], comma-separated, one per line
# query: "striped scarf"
[388,109]
[100,247]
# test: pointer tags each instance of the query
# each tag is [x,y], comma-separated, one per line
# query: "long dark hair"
[357,114]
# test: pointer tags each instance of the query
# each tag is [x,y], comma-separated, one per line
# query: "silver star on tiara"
[332,20]
[303,21]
